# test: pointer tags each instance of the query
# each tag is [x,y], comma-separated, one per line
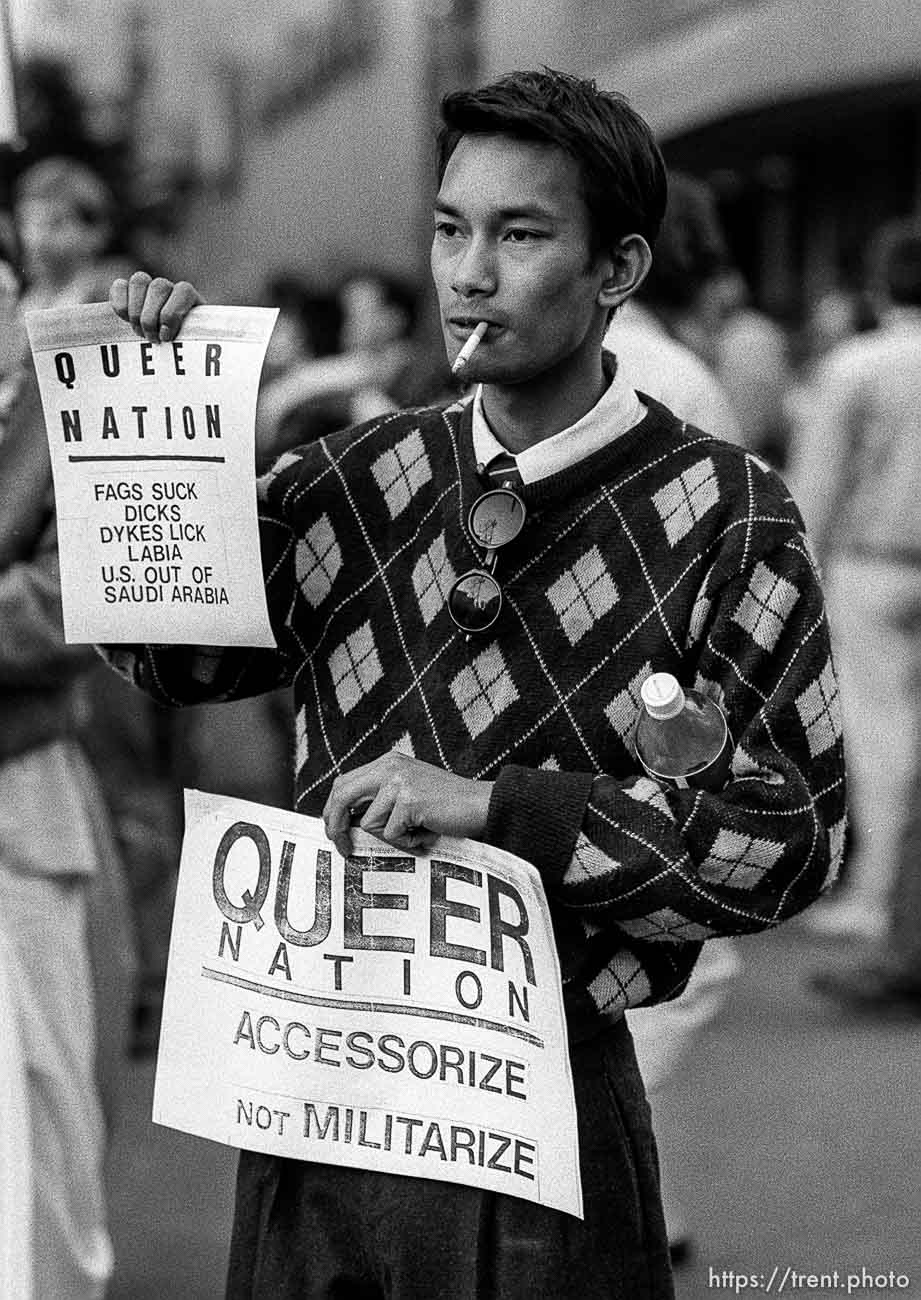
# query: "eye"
[446,229]
[523,235]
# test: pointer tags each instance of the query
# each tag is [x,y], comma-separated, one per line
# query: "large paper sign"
[152,452]
[387,1011]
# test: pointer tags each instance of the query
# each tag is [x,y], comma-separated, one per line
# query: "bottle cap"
[662,695]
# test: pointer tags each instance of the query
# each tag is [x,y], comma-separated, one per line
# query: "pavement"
[793,1139]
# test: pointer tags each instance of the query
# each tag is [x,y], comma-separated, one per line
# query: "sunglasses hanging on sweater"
[495,519]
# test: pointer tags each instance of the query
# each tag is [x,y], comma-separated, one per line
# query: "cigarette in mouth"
[470,347]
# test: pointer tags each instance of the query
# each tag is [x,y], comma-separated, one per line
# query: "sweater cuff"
[537,816]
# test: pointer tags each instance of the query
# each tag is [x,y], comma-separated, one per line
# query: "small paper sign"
[153,452]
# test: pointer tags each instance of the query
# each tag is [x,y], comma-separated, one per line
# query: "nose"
[474,272]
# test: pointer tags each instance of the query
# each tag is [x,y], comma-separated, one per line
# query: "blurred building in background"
[297,133]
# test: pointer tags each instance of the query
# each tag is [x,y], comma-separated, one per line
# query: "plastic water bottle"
[682,737]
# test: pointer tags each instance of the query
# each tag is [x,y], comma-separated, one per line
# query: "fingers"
[118,298]
[136,293]
[393,817]
[180,301]
[348,791]
[377,784]
[402,832]
[154,308]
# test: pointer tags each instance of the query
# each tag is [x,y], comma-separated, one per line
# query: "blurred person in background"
[308,329]
[751,357]
[67,219]
[834,316]
[15,1135]
[378,317]
[70,224]
[55,847]
[378,314]
[856,474]
[646,333]
[690,250]
[550,194]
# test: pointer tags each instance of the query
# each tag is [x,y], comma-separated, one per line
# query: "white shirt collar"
[617,410]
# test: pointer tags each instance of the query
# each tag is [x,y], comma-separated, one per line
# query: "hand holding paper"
[154,308]
[407,803]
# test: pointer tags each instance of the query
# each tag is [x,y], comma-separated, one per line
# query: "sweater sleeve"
[649,872]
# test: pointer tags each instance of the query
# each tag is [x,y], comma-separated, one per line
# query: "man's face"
[511,247]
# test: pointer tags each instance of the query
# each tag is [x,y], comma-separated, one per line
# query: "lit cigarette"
[470,347]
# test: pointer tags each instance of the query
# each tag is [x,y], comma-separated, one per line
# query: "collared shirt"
[617,410]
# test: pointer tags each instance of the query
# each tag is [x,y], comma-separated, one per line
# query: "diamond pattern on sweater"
[743,765]
[285,460]
[713,690]
[623,710]
[588,862]
[739,860]
[666,925]
[684,501]
[583,594]
[645,790]
[355,667]
[766,606]
[318,559]
[819,708]
[433,575]
[405,745]
[402,471]
[656,840]
[699,615]
[623,982]
[483,690]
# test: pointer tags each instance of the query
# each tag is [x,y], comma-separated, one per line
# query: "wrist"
[480,795]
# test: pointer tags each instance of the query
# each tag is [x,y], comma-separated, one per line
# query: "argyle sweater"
[666,550]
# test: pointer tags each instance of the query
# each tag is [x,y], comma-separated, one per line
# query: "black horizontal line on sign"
[219,459]
[348,1004]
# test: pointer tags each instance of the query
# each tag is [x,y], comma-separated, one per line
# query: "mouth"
[463,326]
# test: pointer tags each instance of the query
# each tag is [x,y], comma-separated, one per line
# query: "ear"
[625,269]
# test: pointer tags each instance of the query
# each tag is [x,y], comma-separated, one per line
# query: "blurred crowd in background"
[830,399]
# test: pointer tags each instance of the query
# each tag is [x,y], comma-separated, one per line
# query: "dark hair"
[895,261]
[623,175]
[691,247]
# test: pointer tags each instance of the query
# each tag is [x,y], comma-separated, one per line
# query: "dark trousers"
[322,1232]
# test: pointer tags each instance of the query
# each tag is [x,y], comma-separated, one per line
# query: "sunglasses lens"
[474,601]
[496,518]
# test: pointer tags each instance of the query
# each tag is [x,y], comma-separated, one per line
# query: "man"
[489,690]
[857,474]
